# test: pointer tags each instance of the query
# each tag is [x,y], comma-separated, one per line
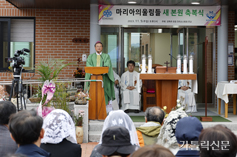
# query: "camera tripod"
[18,86]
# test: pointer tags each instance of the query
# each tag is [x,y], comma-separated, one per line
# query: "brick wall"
[231,39]
[54,31]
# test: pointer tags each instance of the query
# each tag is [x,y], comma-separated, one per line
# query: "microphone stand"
[173,57]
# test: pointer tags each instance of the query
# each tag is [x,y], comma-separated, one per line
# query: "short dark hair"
[6,109]
[98,42]
[131,62]
[25,127]
[155,114]
[217,134]
[153,150]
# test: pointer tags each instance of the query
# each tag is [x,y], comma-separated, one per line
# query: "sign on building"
[159,15]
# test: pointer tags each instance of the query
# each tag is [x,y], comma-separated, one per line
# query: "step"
[94,136]
[95,125]
[95,128]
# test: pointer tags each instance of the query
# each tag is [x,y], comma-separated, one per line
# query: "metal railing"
[69,80]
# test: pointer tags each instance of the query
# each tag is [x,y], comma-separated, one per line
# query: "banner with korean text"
[159,15]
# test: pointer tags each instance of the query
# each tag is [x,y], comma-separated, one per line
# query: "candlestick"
[191,64]
[178,71]
[143,64]
[185,65]
[149,64]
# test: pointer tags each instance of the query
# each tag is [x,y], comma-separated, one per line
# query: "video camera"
[17,61]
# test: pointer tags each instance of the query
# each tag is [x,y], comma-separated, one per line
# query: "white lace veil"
[167,137]
[120,118]
[58,125]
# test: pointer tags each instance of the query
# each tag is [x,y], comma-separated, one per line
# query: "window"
[16,34]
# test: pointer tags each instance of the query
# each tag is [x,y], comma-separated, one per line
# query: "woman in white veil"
[60,137]
[118,118]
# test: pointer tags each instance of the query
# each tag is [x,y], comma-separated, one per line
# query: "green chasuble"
[108,78]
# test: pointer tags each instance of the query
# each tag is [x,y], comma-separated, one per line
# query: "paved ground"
[87,148]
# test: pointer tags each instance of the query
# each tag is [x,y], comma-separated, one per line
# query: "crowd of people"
[27,134]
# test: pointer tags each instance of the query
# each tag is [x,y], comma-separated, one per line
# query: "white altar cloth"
[225,88]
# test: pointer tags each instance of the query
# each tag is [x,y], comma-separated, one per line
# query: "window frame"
[8,19]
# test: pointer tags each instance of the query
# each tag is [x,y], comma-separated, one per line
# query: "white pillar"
[222,49]
[94,26]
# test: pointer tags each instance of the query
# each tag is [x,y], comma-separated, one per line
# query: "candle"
[178,71]
[185,65]
[143,64]
[149,64]
[190,64]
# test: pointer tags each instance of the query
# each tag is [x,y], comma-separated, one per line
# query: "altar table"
[166,88]
[223,89]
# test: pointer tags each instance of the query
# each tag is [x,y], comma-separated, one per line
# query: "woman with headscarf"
[167,137]
[118,118]
[60,137]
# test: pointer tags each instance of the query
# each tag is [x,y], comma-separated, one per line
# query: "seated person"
[187,132]
[152,151]
[7,145]
[60,137]
[26,129]
[130,83]
[187,97]
[149,131]
[116,141]
[217,141]
[118,118]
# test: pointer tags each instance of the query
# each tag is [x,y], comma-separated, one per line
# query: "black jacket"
[187,153]
[63,149]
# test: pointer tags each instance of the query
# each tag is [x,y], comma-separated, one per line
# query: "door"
[4,42]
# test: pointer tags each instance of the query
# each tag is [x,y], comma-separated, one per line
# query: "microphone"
[102,60]
[173,57]
[26,50]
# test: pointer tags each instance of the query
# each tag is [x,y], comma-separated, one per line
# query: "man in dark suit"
[7,145]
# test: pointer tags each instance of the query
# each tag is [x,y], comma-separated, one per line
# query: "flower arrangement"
[164,109]
[48,91]
[180,103]
[79,73]
[78,119]
[82,98]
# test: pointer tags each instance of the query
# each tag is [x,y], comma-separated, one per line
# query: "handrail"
[58,80]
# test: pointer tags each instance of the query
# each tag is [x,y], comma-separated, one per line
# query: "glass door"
[196,47]
[109,38]
[139,41]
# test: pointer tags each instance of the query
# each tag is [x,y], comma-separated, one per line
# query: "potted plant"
[78,119]
[49,71]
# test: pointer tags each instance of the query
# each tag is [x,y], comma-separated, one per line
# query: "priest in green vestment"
[99,59]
